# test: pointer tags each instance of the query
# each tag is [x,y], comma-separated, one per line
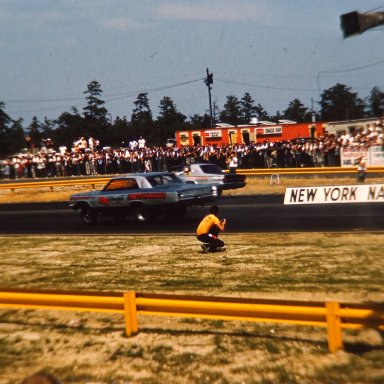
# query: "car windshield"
[211,168]
[165,179]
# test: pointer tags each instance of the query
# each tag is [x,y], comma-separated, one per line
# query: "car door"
[115,193]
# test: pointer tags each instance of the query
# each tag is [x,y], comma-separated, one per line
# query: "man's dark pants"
[211,238]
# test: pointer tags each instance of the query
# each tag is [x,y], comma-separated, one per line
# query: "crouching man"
[208,231]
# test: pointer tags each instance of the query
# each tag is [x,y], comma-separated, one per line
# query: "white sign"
[269,131]
[376,157]
[213,134]
[365,193]
[349,155]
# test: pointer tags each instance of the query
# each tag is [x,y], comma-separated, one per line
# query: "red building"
[244,134]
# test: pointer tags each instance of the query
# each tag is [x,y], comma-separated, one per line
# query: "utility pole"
[208,82]
[313,119]
[313,114]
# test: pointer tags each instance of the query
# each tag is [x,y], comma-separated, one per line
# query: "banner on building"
[213,134]
[278,130]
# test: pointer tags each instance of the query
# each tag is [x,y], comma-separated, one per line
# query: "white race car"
[209,173]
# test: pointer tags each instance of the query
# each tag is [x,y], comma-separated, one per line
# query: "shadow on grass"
[356,348]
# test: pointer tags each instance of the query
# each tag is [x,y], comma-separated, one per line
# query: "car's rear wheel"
[142,214]
[88,215]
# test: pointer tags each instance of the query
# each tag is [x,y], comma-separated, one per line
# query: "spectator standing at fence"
[133,145]
[62,150]
[5,169]
[91,144]
[148,161]
[17,167]
[141,142]
[233,163]
[83,145]
[49,145]
[361,168]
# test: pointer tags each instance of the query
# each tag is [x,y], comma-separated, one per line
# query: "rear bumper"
[197,200]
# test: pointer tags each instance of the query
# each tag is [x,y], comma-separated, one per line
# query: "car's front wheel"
[88,215]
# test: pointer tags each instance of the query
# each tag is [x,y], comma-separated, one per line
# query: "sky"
[276,50]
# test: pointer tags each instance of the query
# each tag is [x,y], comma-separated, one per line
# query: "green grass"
[253,263]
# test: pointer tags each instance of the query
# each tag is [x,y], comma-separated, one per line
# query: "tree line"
[336,103]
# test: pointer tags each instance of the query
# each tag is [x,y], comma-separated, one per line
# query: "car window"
[171,179]
[121,184]
[154,180]
[211,168]
[166,179]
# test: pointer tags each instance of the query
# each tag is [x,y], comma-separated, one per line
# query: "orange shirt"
[206,224]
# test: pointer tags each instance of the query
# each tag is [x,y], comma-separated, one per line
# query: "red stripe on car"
[103,200]
[147,196]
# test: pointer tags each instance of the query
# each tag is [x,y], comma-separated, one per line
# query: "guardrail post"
[335,342]
[130,313]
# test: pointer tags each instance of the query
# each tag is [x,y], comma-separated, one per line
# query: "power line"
[47,109]
[108,97]
[353,69]
[345,71]
[375,9]
[42,100]
[266,86]
[150,90]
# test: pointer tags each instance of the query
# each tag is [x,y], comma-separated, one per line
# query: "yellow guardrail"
[334,316]
[308,171]
[54,183]
[51,183]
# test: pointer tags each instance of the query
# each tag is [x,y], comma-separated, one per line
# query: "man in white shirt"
[141,142]
[233,163]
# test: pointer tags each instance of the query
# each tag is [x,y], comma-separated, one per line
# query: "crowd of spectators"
[87,157]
